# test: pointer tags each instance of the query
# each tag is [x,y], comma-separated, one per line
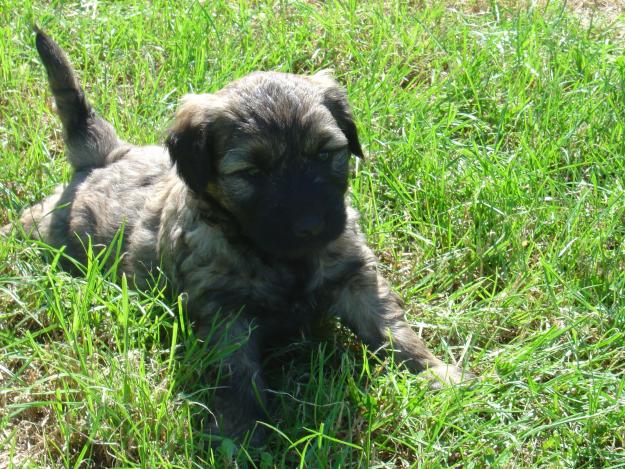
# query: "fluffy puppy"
[244,210]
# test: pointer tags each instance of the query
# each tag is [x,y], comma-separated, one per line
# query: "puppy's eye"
[252,171]
[342,154]
[324,155]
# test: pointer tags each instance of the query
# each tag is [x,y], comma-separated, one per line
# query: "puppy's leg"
[240,399]
[49,219]
[35,220]
[375,313]
[89,138]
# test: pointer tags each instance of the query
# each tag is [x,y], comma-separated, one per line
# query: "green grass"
[492,190]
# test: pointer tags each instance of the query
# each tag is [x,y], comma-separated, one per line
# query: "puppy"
[244,210]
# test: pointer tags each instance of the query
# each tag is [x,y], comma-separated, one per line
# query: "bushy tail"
[88,137]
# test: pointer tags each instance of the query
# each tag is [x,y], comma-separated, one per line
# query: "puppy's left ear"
[195,137]
[335,99]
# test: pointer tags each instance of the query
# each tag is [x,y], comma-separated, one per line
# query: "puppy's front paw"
[251,433]
[238,415]
[443,374]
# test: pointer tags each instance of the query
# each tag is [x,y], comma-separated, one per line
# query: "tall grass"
[492,190]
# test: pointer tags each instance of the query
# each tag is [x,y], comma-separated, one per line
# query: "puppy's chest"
[286,298]
[286,289]
[292,297]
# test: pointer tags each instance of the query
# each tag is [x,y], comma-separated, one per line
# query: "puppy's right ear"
[335,99]
[194,138]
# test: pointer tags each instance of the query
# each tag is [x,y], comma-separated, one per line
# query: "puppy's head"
[273,150]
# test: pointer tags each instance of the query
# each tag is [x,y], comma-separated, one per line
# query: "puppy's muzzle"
[308,226]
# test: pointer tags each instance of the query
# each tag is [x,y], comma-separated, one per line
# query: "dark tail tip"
[58,67]
[71,104]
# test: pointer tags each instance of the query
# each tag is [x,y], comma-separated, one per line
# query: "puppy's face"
[273,150]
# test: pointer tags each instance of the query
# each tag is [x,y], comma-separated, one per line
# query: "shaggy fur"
[251,221]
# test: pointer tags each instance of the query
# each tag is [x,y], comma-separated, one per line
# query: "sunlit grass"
[492,190]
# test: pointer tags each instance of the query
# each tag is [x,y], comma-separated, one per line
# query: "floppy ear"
[335,99]
[193,138]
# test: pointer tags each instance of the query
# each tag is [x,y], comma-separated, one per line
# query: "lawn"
[492,189]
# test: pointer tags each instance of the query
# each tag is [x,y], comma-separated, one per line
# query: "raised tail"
[88,137]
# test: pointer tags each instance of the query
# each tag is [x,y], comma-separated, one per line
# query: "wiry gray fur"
[193,219]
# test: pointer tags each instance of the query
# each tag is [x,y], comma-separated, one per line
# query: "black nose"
[308,226]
